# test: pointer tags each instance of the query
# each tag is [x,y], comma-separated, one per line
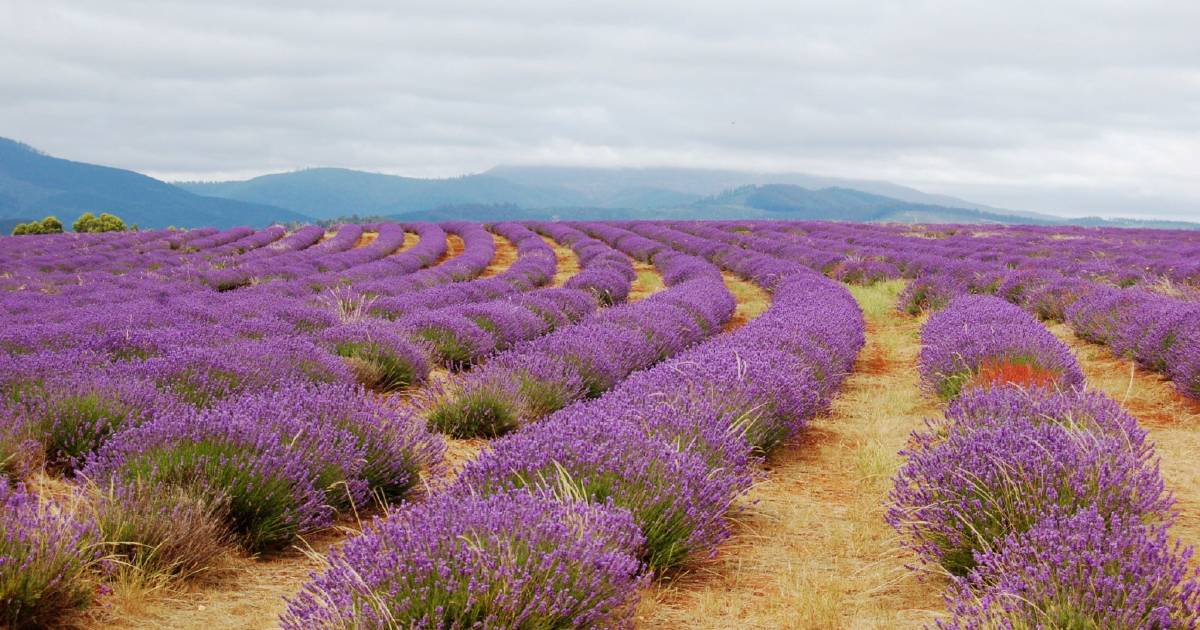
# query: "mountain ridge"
[34,184]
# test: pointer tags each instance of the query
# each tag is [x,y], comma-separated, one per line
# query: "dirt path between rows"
[505,256]
[811,549]
[567,263]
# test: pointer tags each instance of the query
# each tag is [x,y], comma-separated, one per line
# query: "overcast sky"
[1068,107]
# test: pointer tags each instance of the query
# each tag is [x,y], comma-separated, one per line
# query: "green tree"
[84,222]
[48,225]
[87,222]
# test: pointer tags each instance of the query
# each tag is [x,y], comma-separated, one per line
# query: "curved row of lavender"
[204,387]
[1136,291]
[583,360]
[560,523]
[1043,500]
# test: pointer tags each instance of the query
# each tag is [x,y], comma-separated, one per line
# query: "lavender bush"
[502,561]
[46,553]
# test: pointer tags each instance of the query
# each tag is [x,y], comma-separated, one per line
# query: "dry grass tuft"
[811,549]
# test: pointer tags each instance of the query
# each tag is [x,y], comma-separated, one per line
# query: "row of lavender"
[182,440]
[1135,291]
[1042,499]
[561,522]
[541,376]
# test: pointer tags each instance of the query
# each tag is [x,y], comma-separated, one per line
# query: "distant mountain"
[786,201]
[33,185]
[617,187]
[598,193]
[330,192]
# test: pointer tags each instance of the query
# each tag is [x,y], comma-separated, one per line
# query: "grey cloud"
[1070,107]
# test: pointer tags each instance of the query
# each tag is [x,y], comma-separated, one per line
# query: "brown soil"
[366,239]
[410,239]
[752,300]
[454,247]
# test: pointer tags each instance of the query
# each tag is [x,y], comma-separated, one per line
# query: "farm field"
[737,424]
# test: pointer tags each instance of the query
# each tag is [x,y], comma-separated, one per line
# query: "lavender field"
[601,425]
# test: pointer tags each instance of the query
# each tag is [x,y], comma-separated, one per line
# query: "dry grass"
[811,549]
[506,254]
[752,300]
[567,262]
[243,592]
[454,247]
[647,283]
[1172,419]
[366,239]
[410,239]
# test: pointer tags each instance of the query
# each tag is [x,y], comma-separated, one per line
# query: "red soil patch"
[994,373]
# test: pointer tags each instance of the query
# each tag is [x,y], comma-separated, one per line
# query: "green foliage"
[261,506]
[377,368]
[48,225]
[447,346]
[485,411]
[87,222]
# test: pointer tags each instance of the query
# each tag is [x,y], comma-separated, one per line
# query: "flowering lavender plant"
[1084,570]
[964,492]
[502,561]
[46,552]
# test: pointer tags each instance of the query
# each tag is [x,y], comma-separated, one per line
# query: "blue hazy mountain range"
[33,184]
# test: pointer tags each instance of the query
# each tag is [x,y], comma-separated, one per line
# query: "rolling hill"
[33,184]
[331,192]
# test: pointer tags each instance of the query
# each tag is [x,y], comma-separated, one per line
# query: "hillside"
[330,192]
[651,187]
[33,185]
[790,202]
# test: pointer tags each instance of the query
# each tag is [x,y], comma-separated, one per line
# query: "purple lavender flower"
[582,452]
[46,552]
[501,561]
[963,492]
[1083,570]
[381,359]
